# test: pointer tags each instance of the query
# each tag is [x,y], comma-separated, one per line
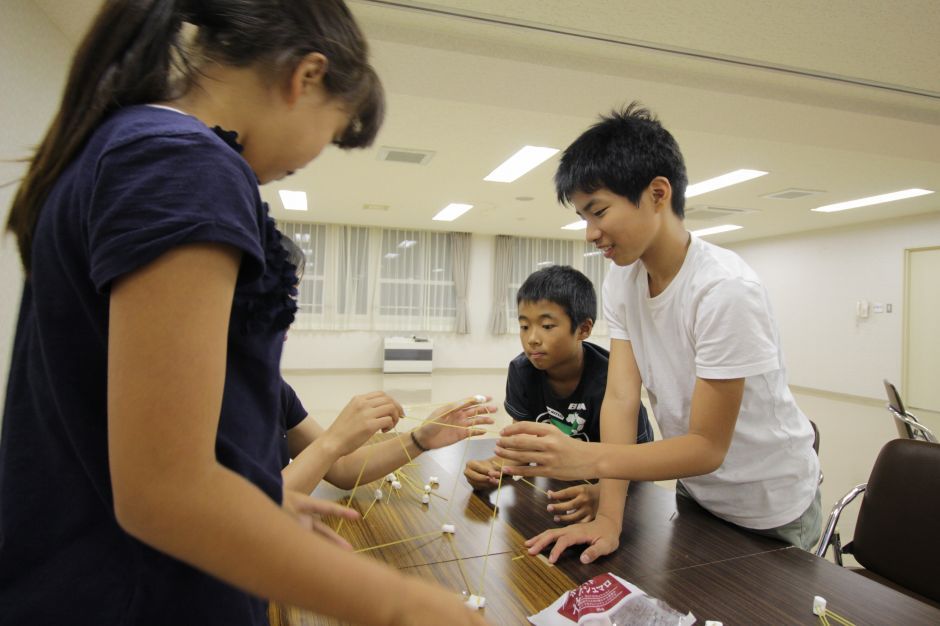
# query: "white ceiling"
[842,97]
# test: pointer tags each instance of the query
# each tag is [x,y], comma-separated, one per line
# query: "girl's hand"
[308,512]
[482,474]
[574,504]
[553,453]
[453,422]
[364,416]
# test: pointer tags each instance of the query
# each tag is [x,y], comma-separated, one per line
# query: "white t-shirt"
[714,321]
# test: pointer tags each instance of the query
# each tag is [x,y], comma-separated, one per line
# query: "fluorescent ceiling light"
[885,197]
[714,230]
[719,182]
[579,225]
[406,243]
[528,158]
[595,253]
[293,200]
[391,255]
[452,211]
[544,263]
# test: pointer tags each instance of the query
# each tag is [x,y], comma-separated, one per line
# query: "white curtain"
[361,278]
[517,257]
[461,256]
[502,269]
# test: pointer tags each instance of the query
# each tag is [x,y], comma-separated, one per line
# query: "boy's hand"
[554,453]
[364,416]
[602,535]
[577,503]
[455,422]
[482,474]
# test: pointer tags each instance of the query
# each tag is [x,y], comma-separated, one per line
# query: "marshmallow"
[390,478]
[819,605]
[517,477]
[476,602]
[378,494]
[434,480]
[712,622]
[448,528]
[427,489]
[396,484]
[479,399]
[425,499]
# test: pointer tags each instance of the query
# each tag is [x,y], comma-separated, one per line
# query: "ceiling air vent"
[405,155]
[707,213]
[791,194]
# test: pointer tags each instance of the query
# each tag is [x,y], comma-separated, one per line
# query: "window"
[361,278]
[528,255]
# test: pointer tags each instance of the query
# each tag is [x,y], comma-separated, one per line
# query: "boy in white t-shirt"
[692,323]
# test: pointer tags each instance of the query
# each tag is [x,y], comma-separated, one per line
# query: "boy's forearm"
[618,427]
[224,525]
[676,457]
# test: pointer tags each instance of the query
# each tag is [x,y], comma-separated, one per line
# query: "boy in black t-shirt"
[559,378]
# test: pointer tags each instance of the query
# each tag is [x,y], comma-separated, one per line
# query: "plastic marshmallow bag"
[608,600]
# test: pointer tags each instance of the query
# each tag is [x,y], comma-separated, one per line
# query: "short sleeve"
[614,308]
[159,192]
[292,410]
[517,402]
[734,331]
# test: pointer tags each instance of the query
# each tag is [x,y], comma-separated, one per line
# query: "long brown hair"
[135,53]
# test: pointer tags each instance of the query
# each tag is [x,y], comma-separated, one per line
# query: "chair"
[907,425]
[896,538]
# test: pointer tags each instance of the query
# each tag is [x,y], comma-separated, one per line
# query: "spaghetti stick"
[531,484]
[489,541]
[393,543]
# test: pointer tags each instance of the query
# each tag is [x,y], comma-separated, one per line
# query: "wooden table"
[670,547]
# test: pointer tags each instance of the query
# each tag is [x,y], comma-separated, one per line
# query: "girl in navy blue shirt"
[141,444]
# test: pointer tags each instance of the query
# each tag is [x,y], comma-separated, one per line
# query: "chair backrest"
[896,534]
[907,425]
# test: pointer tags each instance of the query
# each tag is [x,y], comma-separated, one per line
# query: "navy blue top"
[529,397]
[292,413]
[147,180]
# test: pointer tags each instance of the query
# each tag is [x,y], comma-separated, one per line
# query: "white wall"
[815,280]
[34,60]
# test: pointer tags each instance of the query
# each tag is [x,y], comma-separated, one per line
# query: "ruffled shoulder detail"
[230,137]
[274,306]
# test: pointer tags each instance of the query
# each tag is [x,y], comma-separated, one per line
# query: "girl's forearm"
[309,467]
[379,459]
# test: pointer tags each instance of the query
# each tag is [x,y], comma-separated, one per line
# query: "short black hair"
[566,287]
[623,152]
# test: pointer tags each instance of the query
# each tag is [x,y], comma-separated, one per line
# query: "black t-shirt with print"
[529,397]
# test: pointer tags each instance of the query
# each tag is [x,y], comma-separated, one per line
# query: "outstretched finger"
[538,543]
[573,516]
[315,506]
[522,442]
[328,533]
[528,428]
[599,548]
[562,544]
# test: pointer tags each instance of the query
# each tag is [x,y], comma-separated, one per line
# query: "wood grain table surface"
[670,547]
